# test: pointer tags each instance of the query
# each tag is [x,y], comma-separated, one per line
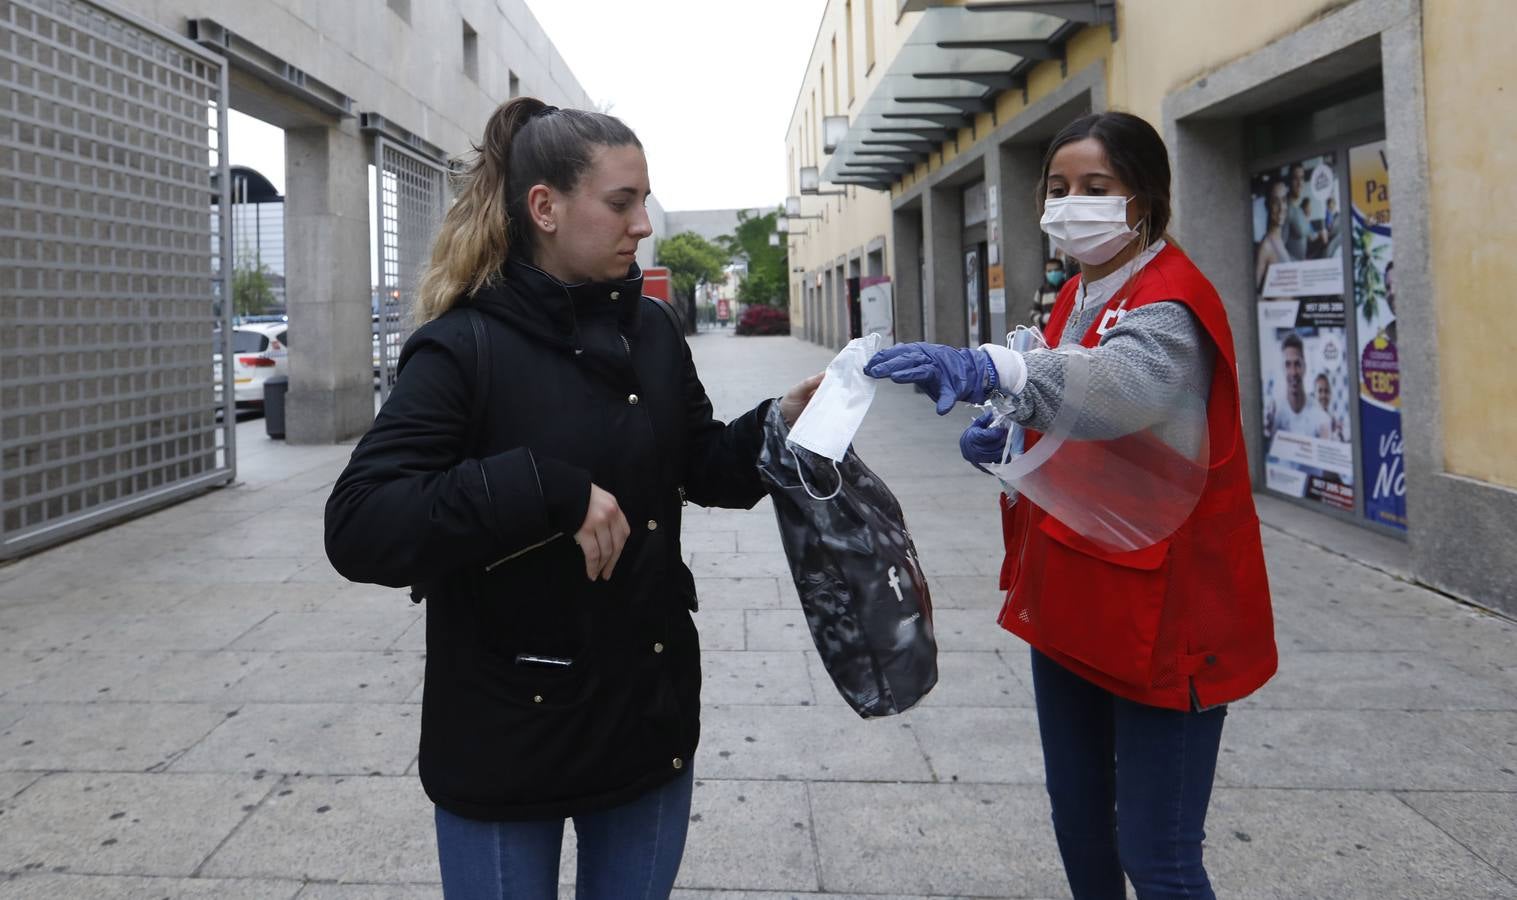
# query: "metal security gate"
[412,193]
[109,273]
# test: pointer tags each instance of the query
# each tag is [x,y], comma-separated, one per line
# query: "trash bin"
[274,390]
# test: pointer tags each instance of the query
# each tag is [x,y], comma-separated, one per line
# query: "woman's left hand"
[796,398]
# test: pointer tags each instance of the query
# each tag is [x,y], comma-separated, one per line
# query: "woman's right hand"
[602,535]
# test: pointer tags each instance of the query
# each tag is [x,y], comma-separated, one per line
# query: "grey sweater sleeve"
[1138,371]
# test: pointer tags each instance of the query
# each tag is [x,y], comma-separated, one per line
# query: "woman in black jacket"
[539,513]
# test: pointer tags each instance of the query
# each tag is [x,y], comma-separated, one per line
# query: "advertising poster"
[1375,321]
[1304,368]
[972,292]
[877,309]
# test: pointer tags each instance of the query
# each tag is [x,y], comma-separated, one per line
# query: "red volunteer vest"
[1186,621]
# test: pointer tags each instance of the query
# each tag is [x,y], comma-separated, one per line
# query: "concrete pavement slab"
[368,676]
[743,593]
[1486,823]
[966,592]
[980,746]
[115,631]
[708,540]
[794,742]
[369,829]
[321,891]
[122,887]
[956,840]
[778,629]
[761,895]
[413,639]
[105,737]
[220,569]
[13,783]
[133,596]
[124,824]
[169,676]
[721,629]
[344,630]
[1378,680]
[1370,749]
[756,564]
[976,678]
[733,678]
[755,835]
[969,629]
[1348,844]
[310,738]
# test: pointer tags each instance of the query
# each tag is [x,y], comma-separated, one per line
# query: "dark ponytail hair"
[1137,156]
[526,142]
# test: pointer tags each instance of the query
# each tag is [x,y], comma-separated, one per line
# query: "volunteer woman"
[563,668]
[1134,653]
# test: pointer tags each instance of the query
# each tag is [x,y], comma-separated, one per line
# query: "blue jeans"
[1129,785]
[629,851]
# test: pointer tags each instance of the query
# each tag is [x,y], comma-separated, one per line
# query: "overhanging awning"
[952,65]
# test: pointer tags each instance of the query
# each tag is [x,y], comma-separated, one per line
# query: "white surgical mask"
[1091,229]
[837,409]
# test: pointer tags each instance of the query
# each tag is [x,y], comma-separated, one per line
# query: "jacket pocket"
[1103,608]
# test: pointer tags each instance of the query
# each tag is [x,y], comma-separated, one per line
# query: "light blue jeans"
[628,852]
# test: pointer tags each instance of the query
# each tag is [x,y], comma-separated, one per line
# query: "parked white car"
[259,351]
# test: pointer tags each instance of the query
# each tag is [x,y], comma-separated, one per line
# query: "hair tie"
[546,110]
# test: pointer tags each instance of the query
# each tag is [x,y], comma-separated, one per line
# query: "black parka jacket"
[589,383]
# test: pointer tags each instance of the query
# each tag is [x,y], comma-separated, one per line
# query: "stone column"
[331,394]
[943,223]
[906,281]
[1013,170]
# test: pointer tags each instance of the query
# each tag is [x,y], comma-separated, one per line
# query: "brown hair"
[526,143]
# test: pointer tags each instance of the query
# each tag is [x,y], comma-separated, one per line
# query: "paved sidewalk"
[194,705]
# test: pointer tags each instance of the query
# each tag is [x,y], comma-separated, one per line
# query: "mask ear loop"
[801,473]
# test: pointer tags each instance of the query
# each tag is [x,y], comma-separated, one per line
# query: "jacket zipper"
[682,500]
[523,551]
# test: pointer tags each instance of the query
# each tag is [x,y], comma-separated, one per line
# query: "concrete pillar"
[907,281]
[331,394]
[840,311]
[947,319]
[1013,171]
[1211,209]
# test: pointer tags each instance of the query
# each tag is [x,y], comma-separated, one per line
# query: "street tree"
[690,259]
[768,266]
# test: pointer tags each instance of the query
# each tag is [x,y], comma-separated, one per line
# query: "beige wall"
[1470,75]
[851,221]
[1166,44]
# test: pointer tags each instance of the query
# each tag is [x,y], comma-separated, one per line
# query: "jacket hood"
[551,311]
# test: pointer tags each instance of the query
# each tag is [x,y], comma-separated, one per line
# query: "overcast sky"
[708,85]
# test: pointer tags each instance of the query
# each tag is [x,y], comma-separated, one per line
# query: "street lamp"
[811,180]
[793,209]
[834,132]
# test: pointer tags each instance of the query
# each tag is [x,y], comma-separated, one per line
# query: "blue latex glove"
[947,374]
[982,444]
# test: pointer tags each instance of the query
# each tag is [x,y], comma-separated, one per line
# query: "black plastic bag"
[856,570]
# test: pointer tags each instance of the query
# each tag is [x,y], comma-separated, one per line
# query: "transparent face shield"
[1121,473]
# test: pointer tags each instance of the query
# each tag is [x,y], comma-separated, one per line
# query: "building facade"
[1333,175]
[113,169]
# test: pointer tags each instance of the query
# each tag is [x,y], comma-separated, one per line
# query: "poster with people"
[1303,335]
[1380,445]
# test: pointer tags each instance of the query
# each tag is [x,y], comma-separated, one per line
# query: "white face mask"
[1091,229]
[837,409]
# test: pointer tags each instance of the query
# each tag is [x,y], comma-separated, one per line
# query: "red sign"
[656,282]
[723,309]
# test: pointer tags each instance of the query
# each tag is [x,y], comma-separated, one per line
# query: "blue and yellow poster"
[1380,442]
